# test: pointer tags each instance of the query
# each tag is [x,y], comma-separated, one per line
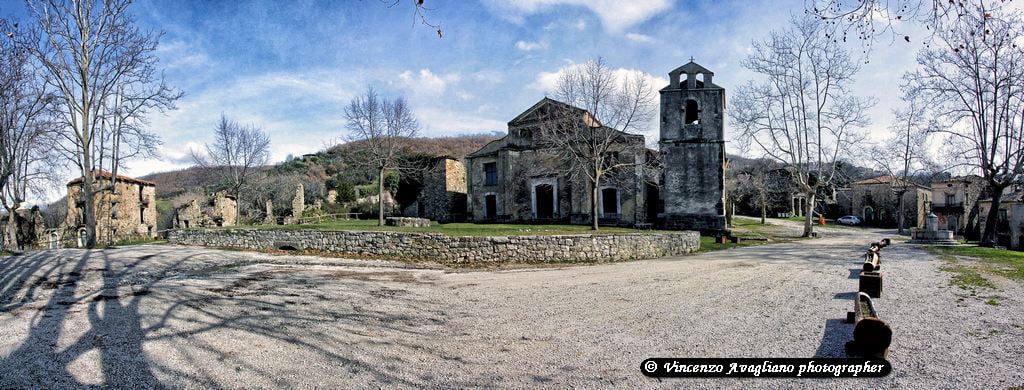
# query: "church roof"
[691,67]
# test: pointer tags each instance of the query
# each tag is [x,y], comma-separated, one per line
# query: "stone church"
[515,178]
[511,179]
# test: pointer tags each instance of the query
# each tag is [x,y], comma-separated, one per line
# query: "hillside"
[172,183]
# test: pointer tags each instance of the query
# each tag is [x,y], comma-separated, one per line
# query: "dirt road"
[193,317]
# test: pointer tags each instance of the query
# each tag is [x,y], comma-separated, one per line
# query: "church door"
[490,206]
[545,202]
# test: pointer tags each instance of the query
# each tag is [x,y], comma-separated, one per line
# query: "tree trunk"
[12,230]
[89,209]
[809,215]
[380,197]
[901,212]
[594,191]
[764,212]
[988,235]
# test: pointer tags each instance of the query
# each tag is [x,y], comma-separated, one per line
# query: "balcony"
[950,207]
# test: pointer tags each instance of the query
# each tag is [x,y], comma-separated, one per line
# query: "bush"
[346,192]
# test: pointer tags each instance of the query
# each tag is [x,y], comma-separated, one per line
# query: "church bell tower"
[693,146]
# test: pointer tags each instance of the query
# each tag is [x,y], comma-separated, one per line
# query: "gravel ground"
[153,316]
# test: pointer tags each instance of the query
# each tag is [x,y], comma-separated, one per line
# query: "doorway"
[490,206]
[610,202]
[545,202]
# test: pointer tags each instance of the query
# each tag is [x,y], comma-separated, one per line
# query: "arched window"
[700,80]
[691,112]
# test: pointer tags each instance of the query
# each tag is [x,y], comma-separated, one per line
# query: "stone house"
[125,207]
[874,200]
[443,195]
[1010,223]
[955,202]
[220,209]
[518,179]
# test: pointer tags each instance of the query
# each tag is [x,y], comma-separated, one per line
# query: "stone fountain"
[931,234]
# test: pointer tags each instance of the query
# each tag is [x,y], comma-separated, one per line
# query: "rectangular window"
[491,174]
[950,198]
[1002,215]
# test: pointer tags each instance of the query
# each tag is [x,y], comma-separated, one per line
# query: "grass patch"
[966,277]
[135,241]
[998,261]
[457,229]
[992,302]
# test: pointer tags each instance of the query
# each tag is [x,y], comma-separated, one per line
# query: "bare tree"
[801,113]
[106,79]
[756,182]
[904,154]
[973,79]
[236,153]
[383,126]
[868,20]
[588,133]
[25,158]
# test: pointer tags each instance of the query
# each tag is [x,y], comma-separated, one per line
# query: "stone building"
[220,209]
[693,148]
[30,231]
[874,200]
[516,178]
[125,207]
[1010,223]
[955,202]
[443,195]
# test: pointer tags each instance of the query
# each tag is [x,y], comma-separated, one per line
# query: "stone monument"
[931,234]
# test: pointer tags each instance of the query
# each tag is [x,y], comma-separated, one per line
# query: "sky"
[290,67]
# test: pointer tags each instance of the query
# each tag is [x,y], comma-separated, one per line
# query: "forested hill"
[320,165]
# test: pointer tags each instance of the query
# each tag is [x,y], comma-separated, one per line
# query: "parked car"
[849,220]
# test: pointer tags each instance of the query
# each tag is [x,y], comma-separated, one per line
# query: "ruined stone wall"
[127,212]
[450,249]
[443,195]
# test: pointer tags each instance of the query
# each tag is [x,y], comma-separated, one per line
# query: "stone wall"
[451,249]
[127,211]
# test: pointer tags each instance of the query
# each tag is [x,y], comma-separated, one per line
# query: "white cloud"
[531,46]
[639,38]
[615,15]
[547,81]
[438,121]
[179,54]
[427,83]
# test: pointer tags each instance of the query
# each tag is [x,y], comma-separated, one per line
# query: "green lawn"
[998,261]
[458,229]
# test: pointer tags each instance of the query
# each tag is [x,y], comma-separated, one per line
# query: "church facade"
[515,179]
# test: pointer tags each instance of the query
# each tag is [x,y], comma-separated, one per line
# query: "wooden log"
[871,261]
[871,335]
[871,283]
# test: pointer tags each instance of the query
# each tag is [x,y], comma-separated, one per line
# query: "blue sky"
[291,66]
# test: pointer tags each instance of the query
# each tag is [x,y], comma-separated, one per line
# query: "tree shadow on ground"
[127,302]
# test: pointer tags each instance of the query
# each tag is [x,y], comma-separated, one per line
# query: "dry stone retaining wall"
[451,249]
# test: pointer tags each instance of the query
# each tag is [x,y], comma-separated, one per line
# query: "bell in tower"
[693,145]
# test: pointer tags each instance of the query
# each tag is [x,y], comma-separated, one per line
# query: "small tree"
[802,114]
[903,155]
[25,142]
[382,126]
[588,135]
[236,153]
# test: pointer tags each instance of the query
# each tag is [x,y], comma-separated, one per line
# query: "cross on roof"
[691,58]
